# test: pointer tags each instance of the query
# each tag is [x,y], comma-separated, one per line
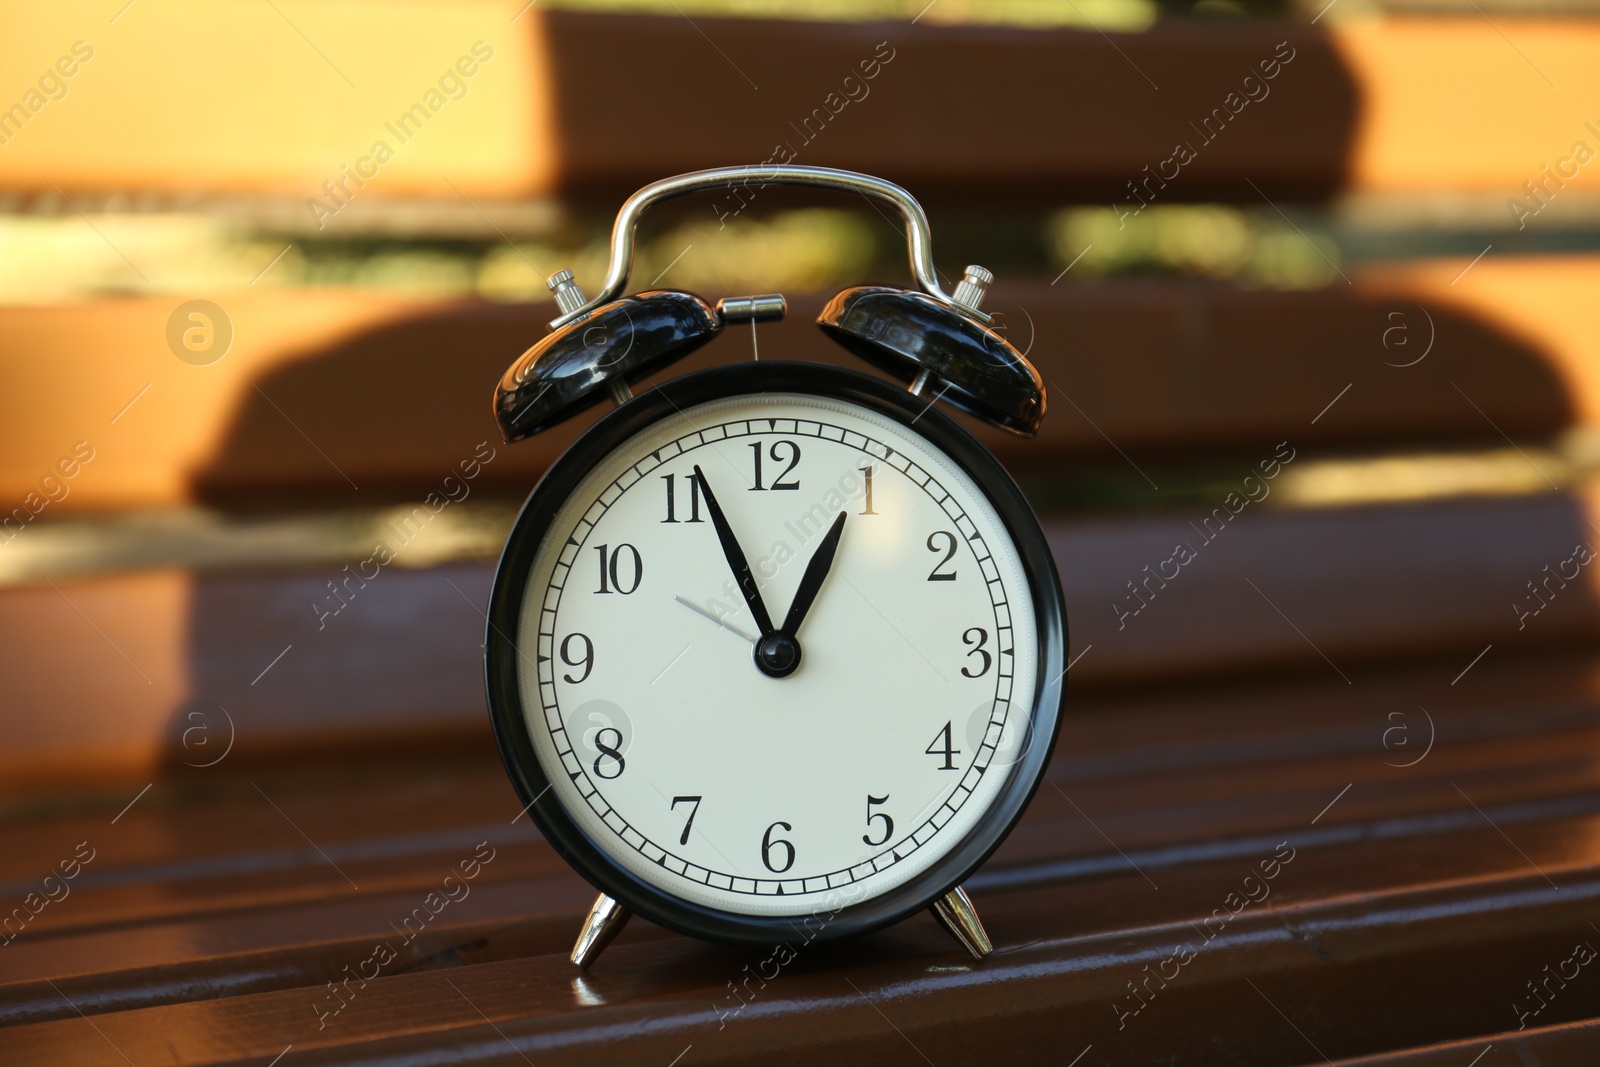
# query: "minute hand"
[811,581]
[735,557]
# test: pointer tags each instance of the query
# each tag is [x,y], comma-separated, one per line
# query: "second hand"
[704,614]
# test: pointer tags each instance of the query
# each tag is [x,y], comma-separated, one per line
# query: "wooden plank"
[157,656]
[1559,1045]
[288,947]
[215,898]
[558,108]
[1317,953]
[354,70]
[403,656]
[1357,106]
[1127,751]
[228,842]
[1494,77]
[1294,588]
[343,396]
[919,96]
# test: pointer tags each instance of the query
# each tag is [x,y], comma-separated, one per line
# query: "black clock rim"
[505,609]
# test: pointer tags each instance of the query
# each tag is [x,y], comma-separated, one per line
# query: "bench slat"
[1272,589]
[328,389]
[1391,832]
[556,110]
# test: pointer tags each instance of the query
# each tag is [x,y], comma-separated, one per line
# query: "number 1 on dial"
[866,473]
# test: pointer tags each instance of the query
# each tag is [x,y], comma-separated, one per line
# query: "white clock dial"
[705,776]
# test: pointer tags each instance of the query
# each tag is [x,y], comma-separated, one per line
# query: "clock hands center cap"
[777,654]
[777,650]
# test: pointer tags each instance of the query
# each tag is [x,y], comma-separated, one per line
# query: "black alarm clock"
[775,646]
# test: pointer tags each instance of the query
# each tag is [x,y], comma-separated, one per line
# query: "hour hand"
[735,557]
[811,581]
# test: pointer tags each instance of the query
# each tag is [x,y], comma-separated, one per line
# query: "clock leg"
[606,920]
[956,914]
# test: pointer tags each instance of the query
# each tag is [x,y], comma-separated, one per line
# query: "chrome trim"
[603,923]
[768,308]
[956,914]
[919,239]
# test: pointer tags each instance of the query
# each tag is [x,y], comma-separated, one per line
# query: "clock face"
[877,731]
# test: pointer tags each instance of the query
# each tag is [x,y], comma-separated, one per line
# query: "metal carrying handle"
[919,239]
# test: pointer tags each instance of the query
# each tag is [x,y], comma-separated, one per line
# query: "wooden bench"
[1326,796]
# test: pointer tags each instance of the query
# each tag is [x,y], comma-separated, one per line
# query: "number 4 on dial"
[949,751]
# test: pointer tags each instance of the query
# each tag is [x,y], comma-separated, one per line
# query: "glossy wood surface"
[1340,591]
[216,910]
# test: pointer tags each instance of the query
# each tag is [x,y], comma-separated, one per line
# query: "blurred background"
[1208,220]
[262,263]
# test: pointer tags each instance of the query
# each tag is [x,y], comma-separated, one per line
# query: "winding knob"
[972,287]
[568,293]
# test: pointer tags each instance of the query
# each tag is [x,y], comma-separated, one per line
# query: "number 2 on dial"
[938,574]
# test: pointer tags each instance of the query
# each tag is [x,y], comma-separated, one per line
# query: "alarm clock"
[775,650]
